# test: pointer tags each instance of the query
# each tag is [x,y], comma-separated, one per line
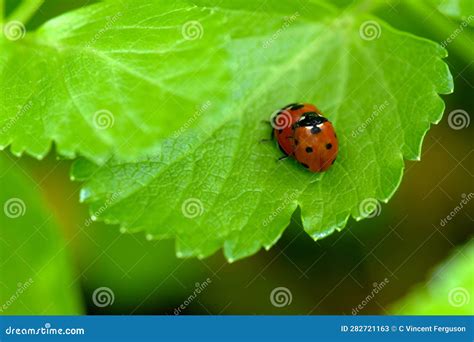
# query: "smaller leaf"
[36,274]
[96,80]
[450,291]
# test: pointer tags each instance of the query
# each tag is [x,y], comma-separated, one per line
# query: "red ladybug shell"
[316,146]
[310,139]
[283,123]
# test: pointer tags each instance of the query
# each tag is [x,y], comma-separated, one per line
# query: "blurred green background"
[422,260]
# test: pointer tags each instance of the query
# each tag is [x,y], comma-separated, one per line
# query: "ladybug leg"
[282,158]
[272,137]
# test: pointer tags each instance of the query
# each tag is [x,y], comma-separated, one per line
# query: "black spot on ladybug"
[305,165]
[296,142]
[309,149]
[280,131]
[328,146]
[297,106]
[315,130]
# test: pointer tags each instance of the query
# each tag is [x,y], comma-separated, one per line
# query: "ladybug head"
[310,119]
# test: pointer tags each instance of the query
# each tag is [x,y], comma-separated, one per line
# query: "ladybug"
[303,133]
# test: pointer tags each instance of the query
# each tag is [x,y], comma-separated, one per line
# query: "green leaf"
[36,275]
[450,291]
[459,9]
[215,185]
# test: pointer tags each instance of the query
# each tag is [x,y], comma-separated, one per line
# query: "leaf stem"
[25,11]
[368,6]
[2,11]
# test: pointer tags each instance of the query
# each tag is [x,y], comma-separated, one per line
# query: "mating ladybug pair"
[303,133]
